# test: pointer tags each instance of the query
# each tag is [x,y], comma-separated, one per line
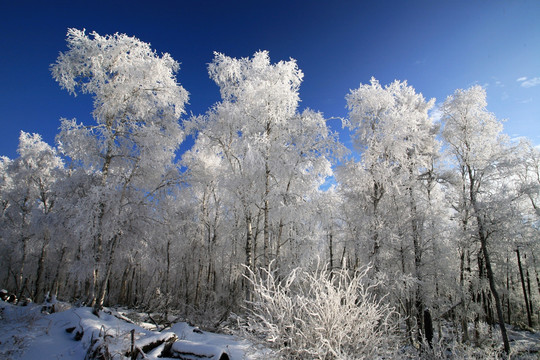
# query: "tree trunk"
[331,251]
[418,303]
[56,281]
[509,311]
[498,306]
[98,238]
[376,197]
[21,281]
[38,288]
[483,244]
[278,240]
[536,274]
[249,256]
[407,306]
[167,277]
[529,318]
[108,269]
[123,296]
[463,316]
[266,229]
[529,287]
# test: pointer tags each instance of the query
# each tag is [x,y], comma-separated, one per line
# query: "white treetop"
[473,133]
[391,124]
[137,104]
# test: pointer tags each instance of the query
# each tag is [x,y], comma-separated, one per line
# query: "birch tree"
[28,196]
[396,137]
[267,155]
[131,147]
[474,138]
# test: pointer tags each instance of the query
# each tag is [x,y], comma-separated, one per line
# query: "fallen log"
[184,349]
[148,344]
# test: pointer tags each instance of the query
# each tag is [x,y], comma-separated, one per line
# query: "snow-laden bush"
[319,315]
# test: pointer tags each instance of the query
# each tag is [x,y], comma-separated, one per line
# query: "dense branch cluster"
[431,224]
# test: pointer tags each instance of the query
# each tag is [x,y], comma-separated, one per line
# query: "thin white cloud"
[531,82]
[497,82]
[523,78]
[436,113]
[526,101]
[515,138]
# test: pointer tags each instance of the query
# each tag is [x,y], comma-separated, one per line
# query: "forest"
[427,233]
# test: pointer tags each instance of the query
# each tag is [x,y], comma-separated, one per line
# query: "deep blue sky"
[438,46]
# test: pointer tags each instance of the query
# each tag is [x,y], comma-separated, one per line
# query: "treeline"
[444,212]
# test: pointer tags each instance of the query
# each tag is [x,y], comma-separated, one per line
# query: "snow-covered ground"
[27,333]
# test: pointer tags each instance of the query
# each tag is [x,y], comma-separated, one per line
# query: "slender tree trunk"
[529,286]
[98,253]
[463,316]
[529,318]
[108,269]
[278,241]
[536,274]
[376,197]
[8,268]
[98,238]
[331,250]
[498,306]
[56,281]
[167,276]
[419,303]
[21,281]
[123,296]
[509,311]
[483,244]
[92,297]
[266,229]
[477,297]
[39,285]
[198,284]
[249,255]
[343,260]
[407,306]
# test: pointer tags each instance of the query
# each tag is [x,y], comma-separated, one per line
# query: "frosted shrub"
[319,315]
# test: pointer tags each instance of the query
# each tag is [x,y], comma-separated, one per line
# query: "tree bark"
[509,311]
[483,244]
[463,316]
[331,251]
[56,281]
[378,192]
[108,269]
[527,276]
[266,229]
[418,303]
[38,288]
[529,318]
[249,256]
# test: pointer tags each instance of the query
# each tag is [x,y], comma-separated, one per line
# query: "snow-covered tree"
[478,147]
[259,154]
[392,130]
[28,197]
[129,152]
[396,139]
